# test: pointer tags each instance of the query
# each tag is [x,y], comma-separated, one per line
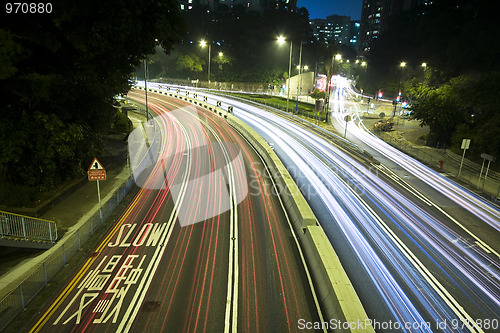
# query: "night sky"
[324,8]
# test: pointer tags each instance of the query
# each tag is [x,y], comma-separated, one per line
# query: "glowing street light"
[424,66]
[282,40]
[203,43]
[401,66]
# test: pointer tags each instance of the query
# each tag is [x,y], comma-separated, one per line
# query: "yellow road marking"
[50,311]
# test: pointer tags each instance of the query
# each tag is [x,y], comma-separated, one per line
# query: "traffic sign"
[96,170]
[488,157]
[97,174]
[465,143]
[96,165]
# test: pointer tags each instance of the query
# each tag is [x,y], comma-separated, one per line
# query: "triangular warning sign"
[96,165]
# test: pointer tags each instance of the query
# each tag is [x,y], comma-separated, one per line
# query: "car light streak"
[465,198]
[401,256]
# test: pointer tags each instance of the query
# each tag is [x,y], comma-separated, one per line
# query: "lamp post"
[300,79]
[365,65]
[221,54]
[282,40]
[401,66]
[146,87]
[327,104]
[203,44]
[424,66]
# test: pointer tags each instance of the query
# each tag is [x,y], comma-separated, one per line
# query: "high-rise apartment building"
[335,28]
[375,15]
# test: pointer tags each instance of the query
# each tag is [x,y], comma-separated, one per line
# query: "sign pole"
[97,172]
[465,146]
[99,194]
[461,163]
[480,174]
[486,175]
[347,118]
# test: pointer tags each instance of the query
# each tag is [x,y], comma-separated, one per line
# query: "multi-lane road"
[205,245]
[417,264]
[421,251]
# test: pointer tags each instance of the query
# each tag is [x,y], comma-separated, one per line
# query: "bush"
[121,123]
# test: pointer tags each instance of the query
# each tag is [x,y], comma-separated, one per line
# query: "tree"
[59,73]
[456,93]
[190,63]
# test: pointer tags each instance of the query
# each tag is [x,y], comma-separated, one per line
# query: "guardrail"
[15,301]
[27,228]
[469,175]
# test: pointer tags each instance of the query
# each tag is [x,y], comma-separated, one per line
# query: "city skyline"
[324,8]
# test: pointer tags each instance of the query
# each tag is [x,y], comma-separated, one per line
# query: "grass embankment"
[304,109]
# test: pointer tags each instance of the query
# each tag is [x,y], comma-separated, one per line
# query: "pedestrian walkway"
[77,216]
[442,160]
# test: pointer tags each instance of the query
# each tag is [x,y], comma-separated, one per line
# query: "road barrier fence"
[25,228]
[15,301]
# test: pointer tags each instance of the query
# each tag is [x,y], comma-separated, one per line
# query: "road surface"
[204,246]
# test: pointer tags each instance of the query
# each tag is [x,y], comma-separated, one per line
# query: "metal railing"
[15,301]
[27,228]
[440,159]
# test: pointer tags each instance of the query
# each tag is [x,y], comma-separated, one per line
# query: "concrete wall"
[305,80]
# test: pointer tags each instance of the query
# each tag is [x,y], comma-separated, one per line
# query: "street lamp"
[282,40]
[146,86]
[299,88]
[424,66]
[203,44]
[401,66]
[365,65]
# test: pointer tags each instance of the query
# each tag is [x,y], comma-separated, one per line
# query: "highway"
[205,245]
[416,267]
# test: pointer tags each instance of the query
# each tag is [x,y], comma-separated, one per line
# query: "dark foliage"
[247,41]
[457,93]
[59,73]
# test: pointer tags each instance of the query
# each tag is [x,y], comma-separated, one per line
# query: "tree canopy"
[456,92]
[59,72]
[247,40]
